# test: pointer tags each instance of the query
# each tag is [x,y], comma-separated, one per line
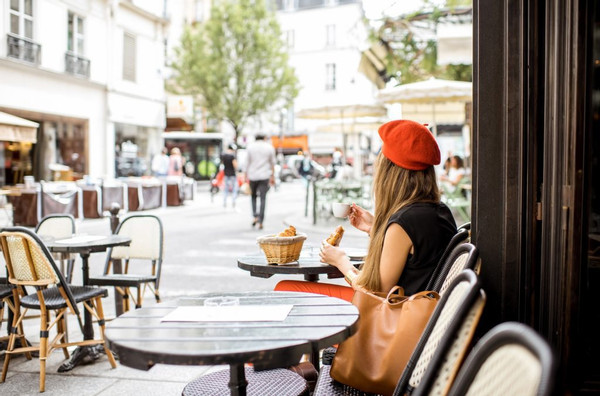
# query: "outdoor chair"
[260,383]
[461,236]
[463,256]
[456,199]
[29,263]
[511,359]
[6,299]
[146,233]
[59,226]
[441,346]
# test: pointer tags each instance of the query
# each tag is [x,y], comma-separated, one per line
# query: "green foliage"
[236,63]
[412,58]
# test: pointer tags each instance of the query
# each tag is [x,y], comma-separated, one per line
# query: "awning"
[16,129]
[372,64]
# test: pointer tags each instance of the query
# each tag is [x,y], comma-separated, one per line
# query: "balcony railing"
[23,49]
[77,65]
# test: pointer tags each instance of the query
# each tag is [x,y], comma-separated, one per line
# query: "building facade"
[326,40]
[76,68]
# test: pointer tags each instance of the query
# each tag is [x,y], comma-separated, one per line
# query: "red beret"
[409,145]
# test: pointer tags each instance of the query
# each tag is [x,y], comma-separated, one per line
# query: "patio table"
[84,246]
[315,322]
[309,264]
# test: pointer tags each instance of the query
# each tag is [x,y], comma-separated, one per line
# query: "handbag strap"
[426,293]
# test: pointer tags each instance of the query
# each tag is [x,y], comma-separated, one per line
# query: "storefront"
[58,142]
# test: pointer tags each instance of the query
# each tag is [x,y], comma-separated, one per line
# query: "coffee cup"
[340,209]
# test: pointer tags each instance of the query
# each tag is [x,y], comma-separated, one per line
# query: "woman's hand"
[333,255]
[360,218]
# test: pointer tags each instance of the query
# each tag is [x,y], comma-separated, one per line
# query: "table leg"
[118,269]
[84,354]
[311,277]
[237,380]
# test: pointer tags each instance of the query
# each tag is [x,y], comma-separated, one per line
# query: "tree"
[412,45]
[235,63]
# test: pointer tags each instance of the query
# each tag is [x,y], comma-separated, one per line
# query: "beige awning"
[16,129]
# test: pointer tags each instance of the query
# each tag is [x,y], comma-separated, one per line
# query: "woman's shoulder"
[418,210]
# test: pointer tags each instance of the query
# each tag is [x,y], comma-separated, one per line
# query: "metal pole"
[117,266]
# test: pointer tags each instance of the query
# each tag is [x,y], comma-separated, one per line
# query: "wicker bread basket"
[281,250]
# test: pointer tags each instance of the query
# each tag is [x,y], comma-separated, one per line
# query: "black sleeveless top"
[430,227]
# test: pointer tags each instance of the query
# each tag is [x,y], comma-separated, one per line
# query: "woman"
[410,228]
[456,172]
[175,162]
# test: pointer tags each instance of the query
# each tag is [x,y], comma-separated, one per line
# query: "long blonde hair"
[393,188]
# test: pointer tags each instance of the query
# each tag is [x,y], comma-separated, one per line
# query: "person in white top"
[160,163]
[260,164]
[456,172]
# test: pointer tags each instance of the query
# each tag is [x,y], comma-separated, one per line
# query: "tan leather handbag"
[389,328]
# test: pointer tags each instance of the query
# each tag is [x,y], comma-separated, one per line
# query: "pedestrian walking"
[260,166]
[160,163]
[175,163]
[230,166]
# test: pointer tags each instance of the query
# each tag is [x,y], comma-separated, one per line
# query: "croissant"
[336,237]
[288,232]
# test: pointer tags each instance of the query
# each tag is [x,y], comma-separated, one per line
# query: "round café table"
[84,245]
[141,339]
[309,264]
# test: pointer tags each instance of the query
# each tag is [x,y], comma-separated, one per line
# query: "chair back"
[57,226]
[29,262]
[461,236]
[146,233]
[511,359]
[463,256]
[450,328]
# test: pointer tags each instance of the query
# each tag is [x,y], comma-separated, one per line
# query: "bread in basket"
[281,249]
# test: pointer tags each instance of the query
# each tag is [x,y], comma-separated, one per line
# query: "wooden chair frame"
[41,272]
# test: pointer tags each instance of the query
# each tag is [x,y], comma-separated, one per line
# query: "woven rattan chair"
[511,359]
[260,383]
[460,237]
[59,226]
[463,256]
[29,263]
[146,233]
[447,333]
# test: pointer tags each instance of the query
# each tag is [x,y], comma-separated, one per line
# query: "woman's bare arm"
[396,247]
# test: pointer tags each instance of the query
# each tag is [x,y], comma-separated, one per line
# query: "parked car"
[291,163]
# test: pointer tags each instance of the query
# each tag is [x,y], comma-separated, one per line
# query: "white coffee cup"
[340,209]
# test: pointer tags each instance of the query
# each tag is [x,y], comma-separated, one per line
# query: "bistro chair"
[463,256]
[447,335]
[59,226]
[461,236]
[511,359]
[146,233]
[29,263]
[260,383]
[456,198]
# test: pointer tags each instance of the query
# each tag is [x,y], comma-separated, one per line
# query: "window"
[330,36]
[21,18]
[75,38]
[330,77]
[19,38]
[129,57]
